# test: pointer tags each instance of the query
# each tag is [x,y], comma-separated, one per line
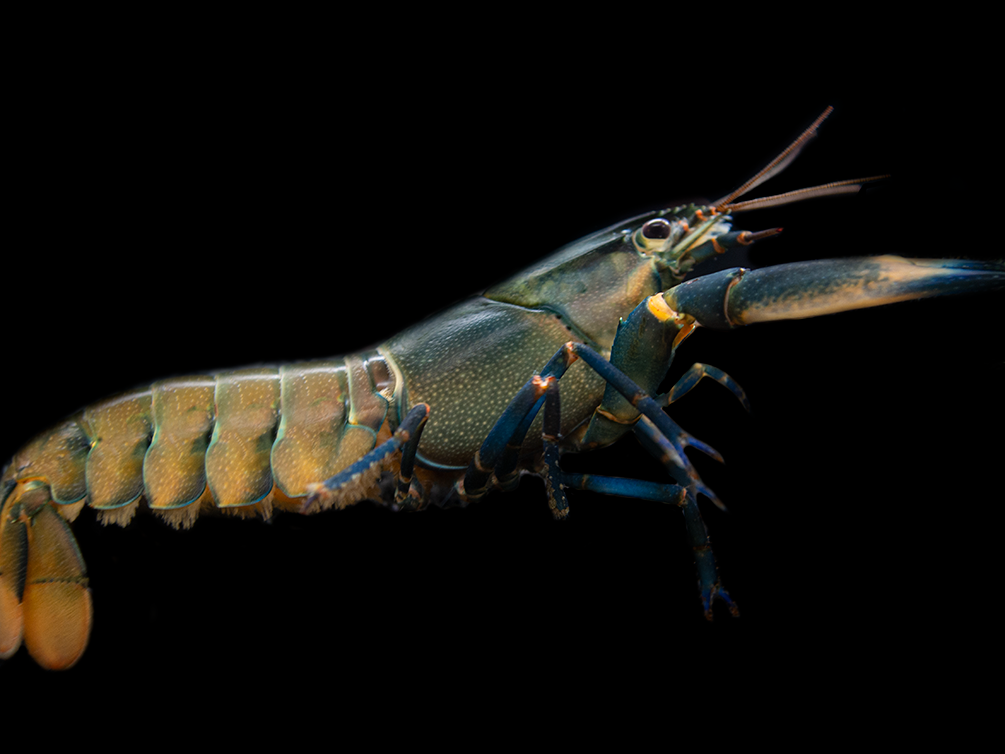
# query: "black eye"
[658,228]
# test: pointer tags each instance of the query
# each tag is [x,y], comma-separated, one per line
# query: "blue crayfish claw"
[801,290]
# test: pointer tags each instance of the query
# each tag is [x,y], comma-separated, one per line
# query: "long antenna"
[790,197]
[778,164]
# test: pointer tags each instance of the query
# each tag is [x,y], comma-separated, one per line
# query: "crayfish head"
[589,284]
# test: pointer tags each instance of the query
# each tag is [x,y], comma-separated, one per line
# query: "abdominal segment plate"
[174,470]
[237,461]
[120,430]
[307,448]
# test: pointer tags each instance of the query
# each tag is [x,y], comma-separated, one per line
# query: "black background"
[253,219]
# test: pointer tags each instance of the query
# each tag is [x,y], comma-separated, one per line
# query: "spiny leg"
[508,433]
[643,348]
[681,495]
[693,376]
[642,402]
[708,575]
[408,495]
[673,460]
[666,452]
[500,450]
[556,480]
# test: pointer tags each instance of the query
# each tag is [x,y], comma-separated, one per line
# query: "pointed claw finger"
[730,384]
[708,450]
[717,592]
[705,490]
[709,597]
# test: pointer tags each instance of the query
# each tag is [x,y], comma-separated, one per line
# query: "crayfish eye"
[654,236]
[658,228]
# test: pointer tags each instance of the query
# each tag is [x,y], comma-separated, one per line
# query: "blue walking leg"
[343,485]
[557,481]
[693,376]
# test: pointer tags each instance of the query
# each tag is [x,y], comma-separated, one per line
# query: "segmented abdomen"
[243,440]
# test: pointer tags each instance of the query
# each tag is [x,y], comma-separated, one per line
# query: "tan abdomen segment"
[242,440]
[316,438]
[235,439]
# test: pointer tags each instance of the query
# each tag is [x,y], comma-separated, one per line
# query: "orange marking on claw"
[657,305]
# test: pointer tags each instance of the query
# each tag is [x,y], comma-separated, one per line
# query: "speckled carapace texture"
[469,363]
